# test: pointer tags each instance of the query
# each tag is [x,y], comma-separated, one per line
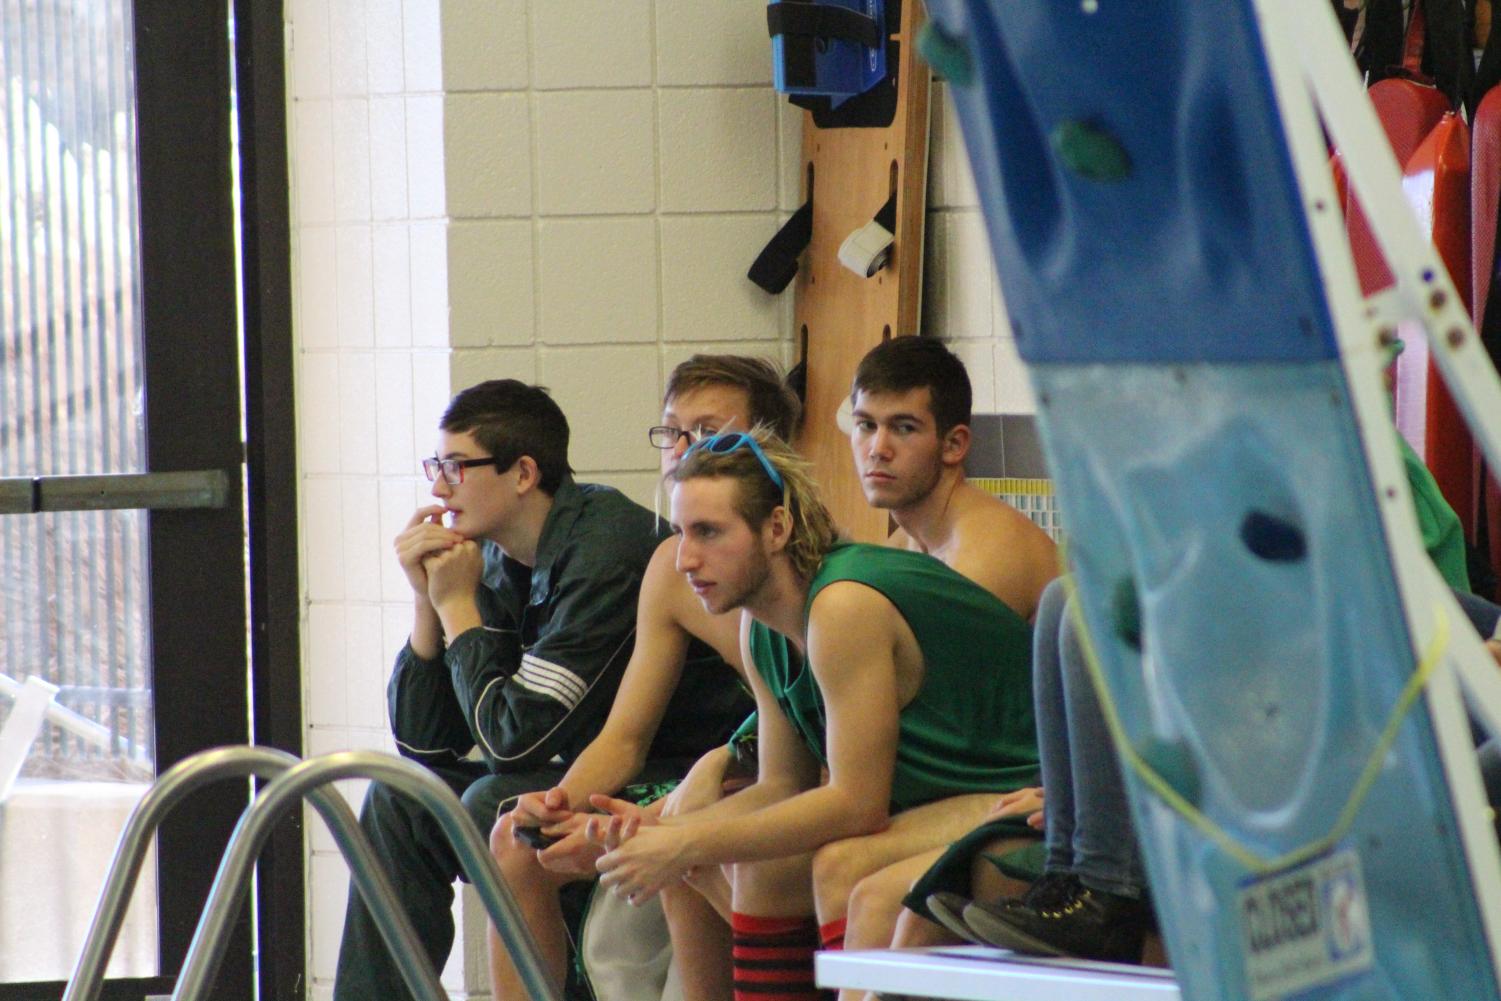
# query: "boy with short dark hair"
[524,590]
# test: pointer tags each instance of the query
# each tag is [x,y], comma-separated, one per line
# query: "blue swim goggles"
[731,441]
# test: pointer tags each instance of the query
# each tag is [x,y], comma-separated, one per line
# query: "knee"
[837,867]
[880,893]
[501,841]
[701,787]
[885,888]
[385,810]
[518,862]
[483,800]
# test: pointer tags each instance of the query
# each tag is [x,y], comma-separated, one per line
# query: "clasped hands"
[439,563]
[633,852]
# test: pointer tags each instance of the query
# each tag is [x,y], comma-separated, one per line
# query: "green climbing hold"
[1174,763]
[1125,614]
[1090,151]
[946,54]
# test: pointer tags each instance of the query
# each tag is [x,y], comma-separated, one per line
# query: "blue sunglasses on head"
[731,441]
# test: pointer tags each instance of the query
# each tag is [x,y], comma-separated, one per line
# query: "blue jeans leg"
[1105,854]
[1052,728]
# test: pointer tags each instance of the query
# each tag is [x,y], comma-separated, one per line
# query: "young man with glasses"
[885,667]
[524,590]
[677,678]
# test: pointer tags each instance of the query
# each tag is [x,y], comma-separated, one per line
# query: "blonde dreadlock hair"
[813,530]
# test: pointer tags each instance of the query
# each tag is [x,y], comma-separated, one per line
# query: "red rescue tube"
[1437,184]
[1408,112]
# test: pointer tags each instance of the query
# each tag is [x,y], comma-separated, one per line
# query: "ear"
[777,531]
[528,476]
[956,444]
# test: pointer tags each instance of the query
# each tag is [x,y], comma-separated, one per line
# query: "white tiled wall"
[961,298]
[371,303]
[561,191]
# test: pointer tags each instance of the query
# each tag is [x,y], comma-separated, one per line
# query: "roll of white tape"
[866,250]
[844,417]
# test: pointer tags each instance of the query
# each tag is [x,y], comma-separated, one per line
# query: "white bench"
[978,973]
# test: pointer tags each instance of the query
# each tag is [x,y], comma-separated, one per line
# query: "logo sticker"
[1305,927]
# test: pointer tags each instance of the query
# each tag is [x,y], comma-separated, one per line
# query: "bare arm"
[853,642]
[852,653]
[784,765]
[668,616]
[614,757]
[784,768]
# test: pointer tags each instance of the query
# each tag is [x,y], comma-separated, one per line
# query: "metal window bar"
[84,728]
[294,781]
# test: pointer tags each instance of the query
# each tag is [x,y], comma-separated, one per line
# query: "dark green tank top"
[970,726]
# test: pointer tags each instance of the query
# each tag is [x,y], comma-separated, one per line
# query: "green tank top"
[1443,535]
[970,726]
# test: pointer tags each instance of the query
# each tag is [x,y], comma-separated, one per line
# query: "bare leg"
[698,910]
[876,903]
[989,883]
[839,865]
[701,939]
[877,918]
[536,893]
[698,917]
[778,888]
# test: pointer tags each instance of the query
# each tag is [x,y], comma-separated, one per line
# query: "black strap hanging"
[887,216]
[1447,55]
[777,263]
[1379,51]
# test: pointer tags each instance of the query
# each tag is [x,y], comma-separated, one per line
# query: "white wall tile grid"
[560,191]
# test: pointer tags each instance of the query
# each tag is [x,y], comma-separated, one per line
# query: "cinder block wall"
[561,191]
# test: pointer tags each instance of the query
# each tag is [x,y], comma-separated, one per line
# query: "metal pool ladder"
[290,781]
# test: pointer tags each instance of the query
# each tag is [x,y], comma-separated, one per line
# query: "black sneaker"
[1050,891]
[1069,919]
[948,908]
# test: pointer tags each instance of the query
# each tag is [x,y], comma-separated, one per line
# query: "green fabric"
[953,872]
[745,731]
[1025,864]
[1443,535]
[970,726]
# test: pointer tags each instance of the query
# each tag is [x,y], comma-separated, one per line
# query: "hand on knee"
[517,860]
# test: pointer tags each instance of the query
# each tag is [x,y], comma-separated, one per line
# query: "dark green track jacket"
[538,679]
